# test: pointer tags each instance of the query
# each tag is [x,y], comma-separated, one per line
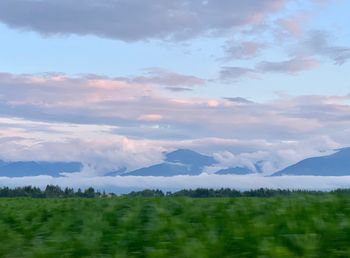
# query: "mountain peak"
[189,157]
[178,162]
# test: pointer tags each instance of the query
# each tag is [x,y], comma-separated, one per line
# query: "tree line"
[223,192]
[50,191]
[54,191]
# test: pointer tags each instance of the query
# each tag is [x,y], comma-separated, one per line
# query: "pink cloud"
[79,109]
[293,25]
[150,117]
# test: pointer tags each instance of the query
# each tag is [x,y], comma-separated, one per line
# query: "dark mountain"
[32,168]
[337,164]
[179,162]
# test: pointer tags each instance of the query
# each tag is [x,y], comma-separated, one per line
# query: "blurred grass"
[296,226]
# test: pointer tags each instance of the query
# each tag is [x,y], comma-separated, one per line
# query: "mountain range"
[187,162]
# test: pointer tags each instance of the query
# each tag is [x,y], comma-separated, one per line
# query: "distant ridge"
[179,162]
[185,162]
[33,168]
[235,171]
[337,164]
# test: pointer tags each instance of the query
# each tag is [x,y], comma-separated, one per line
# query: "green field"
[300,225]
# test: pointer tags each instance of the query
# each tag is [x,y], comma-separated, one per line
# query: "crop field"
[300,225]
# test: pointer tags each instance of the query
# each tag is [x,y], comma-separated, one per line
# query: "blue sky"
[27,51]
[263,80]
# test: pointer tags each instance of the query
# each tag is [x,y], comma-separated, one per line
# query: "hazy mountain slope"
[32,168]
[337,164]
[163,169]
[179,162]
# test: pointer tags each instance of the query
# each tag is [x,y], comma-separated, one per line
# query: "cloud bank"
[132,20]
[114,123]
[127,184]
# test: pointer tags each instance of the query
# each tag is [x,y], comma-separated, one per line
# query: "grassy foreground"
[296,226]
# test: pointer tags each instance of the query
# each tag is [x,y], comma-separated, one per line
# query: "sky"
[117,83]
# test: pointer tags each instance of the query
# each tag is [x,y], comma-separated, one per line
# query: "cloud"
[151,117]
[292,26]
[233,73]
[163,77]
[88,98]
[304,57]
[132,20]
[102,150]
[131,108]
[97,147]
[178,89]
[319,43]
[291,66]
[242,50]
[238,100]
[275,156]
[110,123]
